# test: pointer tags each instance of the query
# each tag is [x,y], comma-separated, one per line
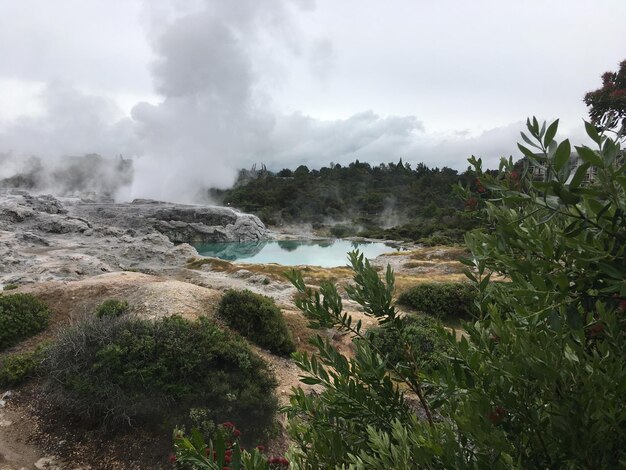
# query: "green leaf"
[562,154]
[484,282]
[568,197]
[310,381]
[535,126]
[550,133]
[611,271]
[529,142]
[574,319]
[526,151]
[590,156]
[579,176]
[593,133]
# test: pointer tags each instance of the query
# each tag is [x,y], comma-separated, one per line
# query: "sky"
[193,90]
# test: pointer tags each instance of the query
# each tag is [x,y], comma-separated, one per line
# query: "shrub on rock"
[112,308]
[420,341]
[18,368]
[117,370]
[441,300]
[257,318]
[21,316]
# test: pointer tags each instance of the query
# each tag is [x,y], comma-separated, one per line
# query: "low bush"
[436,240]
[117,370]
[21,316]
[442,300]
[257,318]
[112,308]
[18,368]
[343,230]
[10,287]
[420,341]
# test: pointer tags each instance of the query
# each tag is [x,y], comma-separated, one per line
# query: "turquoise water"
[324,253]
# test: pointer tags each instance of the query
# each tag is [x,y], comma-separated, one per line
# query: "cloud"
[70,123]
[214,115]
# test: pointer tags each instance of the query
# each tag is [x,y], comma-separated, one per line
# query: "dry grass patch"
[215,264]
[300,330]
[406,281]
[313,275]
[434,253]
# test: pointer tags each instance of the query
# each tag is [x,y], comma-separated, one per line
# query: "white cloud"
[232,83]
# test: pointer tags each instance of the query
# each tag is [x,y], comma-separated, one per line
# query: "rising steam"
[212,117]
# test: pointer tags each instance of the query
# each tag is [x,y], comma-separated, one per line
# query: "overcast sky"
[201,88]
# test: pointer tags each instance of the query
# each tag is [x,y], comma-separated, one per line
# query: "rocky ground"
[74,255]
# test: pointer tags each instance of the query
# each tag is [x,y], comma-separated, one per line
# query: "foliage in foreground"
[118,370]
[224,452]
[444,300]
[257,318]
[538,379]
[21,316]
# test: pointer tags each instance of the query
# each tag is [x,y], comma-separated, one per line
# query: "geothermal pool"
[324,253]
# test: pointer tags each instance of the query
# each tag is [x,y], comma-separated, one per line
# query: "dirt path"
[17,452]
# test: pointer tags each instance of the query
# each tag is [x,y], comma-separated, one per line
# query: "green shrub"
[10,287]
[118,370]
[257,318]
[343,230]
[442,300]
[112,308]
[427,345]
[436,240]
[21,316]
[18,368]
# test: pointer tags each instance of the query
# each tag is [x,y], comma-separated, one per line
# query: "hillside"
[390,201]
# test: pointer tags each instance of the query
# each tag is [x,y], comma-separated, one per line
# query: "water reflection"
[289,245]
[325,253]
[231,251]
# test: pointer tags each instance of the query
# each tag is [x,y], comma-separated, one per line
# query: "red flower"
[228,424]
[227,458]
[471,203]
[236,433]
[497,415]
[225,468]
[481,189]
[595,330]
[514,175]
[260,448]
[172,458]
[228,452]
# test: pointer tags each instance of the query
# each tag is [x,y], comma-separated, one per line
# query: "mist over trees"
[390,200]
